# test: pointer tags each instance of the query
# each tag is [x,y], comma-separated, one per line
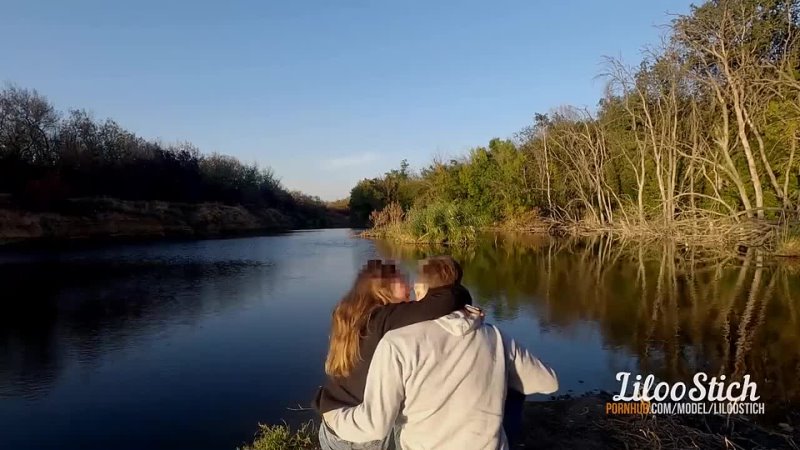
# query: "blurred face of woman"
[400,290]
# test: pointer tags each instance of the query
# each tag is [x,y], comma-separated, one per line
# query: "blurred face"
[420,290]
[400,290]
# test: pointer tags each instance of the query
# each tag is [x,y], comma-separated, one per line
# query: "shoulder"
[410,336]
[402,344]
[492,332]
[409,332]
[389,310]
[381,314]
[491,328]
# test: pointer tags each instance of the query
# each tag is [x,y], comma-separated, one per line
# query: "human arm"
[437,303]
[374,418]
[526,374]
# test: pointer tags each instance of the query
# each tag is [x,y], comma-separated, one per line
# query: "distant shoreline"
[104,220]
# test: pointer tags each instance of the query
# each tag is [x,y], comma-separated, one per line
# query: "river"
[170,345]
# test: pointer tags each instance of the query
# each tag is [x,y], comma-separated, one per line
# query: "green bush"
[451,222]
[281,437]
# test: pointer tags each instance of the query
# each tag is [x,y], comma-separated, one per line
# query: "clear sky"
[326,92]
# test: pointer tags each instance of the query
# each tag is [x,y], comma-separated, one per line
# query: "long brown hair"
[371,289]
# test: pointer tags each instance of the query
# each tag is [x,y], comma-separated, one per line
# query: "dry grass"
[391,215]
[722,233]
[789,246]
[582,423]
[447,223]
[529,222]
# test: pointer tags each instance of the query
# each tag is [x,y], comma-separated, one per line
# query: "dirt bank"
[100,219]
[581,423]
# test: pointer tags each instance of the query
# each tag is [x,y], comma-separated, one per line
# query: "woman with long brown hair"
[376,304]
[373,288]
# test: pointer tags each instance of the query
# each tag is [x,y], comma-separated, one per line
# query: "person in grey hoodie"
[358,323]
[441,384]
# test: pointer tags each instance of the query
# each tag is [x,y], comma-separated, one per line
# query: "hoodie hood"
[462,322]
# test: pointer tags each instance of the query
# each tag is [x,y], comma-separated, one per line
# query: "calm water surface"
[191,344]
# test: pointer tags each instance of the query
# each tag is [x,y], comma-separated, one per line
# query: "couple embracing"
[424,374]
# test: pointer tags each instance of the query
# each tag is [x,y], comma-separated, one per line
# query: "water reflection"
[166,344]
[78,310]
[189,345]
[675,310]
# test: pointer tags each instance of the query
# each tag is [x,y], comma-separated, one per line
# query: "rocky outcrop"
[92,219]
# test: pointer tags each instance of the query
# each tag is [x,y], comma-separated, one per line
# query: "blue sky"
[324,92]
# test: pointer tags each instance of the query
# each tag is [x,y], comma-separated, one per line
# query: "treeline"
[47,157]
[705,128]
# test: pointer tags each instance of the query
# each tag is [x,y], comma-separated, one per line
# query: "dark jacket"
[349,391]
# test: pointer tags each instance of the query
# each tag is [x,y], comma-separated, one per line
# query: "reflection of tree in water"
[677,310]
[79,310]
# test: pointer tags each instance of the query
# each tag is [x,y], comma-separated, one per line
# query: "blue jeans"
[512,416]
[328,440]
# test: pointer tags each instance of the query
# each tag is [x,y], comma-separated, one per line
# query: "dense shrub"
[451,222]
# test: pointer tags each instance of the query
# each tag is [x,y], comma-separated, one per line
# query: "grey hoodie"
[442,384]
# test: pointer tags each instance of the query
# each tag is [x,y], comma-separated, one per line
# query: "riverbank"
[723,240]
[581,423]
[101,219]
[450,224]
